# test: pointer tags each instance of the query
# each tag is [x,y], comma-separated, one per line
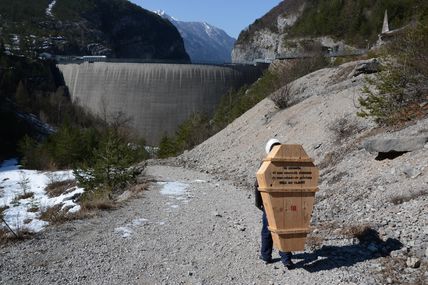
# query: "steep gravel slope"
[390,196]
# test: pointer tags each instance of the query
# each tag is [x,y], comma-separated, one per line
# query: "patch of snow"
[75,209]
[199,181]
[164,15]
[159,12]
[174,206]
[128,229]
[124,231]
[173,188]
[50,7]
[139,222]
[207,27]
[24,213]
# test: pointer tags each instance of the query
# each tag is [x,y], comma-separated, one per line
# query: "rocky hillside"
[203,42]
[295,27]
[115,28]
[359,187]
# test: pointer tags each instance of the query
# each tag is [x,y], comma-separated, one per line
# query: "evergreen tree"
[22,97]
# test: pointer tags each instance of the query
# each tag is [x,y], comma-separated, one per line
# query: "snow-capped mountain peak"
[203,42]
[165,15]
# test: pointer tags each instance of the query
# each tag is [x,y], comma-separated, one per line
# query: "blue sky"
[229,15]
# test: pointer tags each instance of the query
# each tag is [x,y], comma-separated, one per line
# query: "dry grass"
[364,233]
[101,199]
[282,98]
[355,231]
[33,209]
[141,187]
[2,209]
[99,204]
[6,236]
[58,188]
[25,196]
[343,129]
[55,215]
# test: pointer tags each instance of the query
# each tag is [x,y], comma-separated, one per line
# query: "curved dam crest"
[156,97]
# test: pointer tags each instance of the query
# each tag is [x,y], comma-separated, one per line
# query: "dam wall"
[156,97]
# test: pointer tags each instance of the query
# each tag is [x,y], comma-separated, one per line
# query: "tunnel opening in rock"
[389,155]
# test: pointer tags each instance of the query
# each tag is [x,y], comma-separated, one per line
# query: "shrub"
[71,145]
[57,188]
[97,200]
[167,147]
[402,84]
[63,149]
[282,98]
[34,155]
[110,168]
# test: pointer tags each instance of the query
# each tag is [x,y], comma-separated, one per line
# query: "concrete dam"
[156,97]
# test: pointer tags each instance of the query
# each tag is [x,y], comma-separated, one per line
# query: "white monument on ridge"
[385,27]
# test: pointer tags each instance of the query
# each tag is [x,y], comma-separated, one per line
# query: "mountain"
[115,28]
[296,26]
[203,42]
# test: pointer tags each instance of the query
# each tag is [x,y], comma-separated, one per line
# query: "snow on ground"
[49,9]
[22,193]
[127,230]
[176,192]
[173,188]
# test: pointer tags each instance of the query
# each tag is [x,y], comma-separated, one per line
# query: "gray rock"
[366,67]
[396,253]
[395,144]
[413,262]
[411,172]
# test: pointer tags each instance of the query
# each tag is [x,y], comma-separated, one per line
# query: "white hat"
[270,144]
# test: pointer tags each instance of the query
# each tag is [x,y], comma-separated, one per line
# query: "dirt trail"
[189,229]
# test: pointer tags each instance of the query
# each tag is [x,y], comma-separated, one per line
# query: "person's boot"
[266,260]
[289,264]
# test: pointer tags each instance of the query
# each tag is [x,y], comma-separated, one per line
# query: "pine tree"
[22,97]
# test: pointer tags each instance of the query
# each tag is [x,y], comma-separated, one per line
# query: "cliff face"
[263,39]
[116,28]
[296,27]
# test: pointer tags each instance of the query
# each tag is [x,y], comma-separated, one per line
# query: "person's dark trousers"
[267,243]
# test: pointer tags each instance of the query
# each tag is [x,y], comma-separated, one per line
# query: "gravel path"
[188,229]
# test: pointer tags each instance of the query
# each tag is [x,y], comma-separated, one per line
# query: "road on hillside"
[188,228]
